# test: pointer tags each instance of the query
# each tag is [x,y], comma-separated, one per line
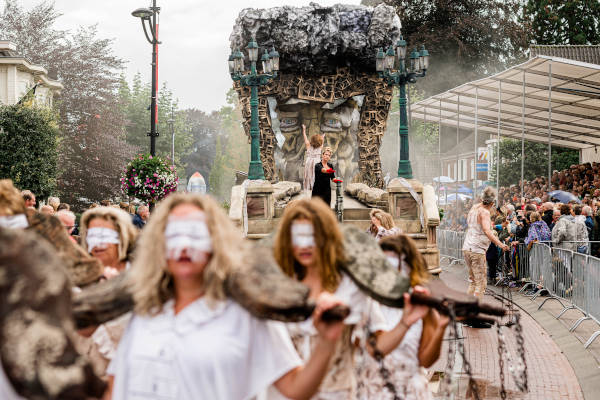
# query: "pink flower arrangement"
[149,178]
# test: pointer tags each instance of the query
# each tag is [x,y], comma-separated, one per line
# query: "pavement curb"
[582,362]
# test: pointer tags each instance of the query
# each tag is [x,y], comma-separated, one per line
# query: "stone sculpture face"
[337,121]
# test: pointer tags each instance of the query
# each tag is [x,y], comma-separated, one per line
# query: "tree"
[536,161]
[92,150]
[204,129]
[467,39]
[233,144]
[135,101]
[575,22]
[28,148]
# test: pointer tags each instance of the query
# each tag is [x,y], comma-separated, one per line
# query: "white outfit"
[7,392]
[340,381]
[408,378]
[476,241]
[201,353]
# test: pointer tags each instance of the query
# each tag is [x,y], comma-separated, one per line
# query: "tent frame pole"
[475,158]
[498,144]
[549,126]
[457,142]
[523,144]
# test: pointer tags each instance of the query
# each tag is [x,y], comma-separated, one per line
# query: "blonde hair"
[328,238]
[386,219]
[150,282]
[11,200]
[327,149]
[121,220]
[54,202]
[534,216]
[404,245]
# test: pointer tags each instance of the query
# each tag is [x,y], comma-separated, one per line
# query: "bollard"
[339,199]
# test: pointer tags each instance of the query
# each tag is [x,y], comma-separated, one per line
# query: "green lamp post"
[401,76]
[270,67]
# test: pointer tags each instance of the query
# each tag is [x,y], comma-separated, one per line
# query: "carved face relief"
[338,121]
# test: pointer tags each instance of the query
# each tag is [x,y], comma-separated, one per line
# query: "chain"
[501,346]
[452,338]
[383,371]
[521,375]
[466,365]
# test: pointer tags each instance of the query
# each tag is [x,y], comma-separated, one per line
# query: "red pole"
[156,79]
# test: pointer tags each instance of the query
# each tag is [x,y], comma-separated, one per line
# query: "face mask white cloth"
[394,261]
[14,221]
[187,234]
[303,235]
[101,237]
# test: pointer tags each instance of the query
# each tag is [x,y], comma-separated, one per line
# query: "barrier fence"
[566,276]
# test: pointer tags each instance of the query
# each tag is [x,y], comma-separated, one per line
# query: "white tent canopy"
[544,99]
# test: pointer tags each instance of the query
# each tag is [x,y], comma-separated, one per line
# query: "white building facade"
[18,77]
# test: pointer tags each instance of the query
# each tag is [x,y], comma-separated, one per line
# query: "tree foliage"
[467,39]
[92,149]
[536,161]
[233,150]
[204,129]
[575,22]
[28,148]
[135,102]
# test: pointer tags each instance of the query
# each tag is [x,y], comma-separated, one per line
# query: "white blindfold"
[303,235]
[101,238]
[18,221]
[190,234]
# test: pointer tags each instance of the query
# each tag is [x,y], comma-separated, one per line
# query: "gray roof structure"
[588,53]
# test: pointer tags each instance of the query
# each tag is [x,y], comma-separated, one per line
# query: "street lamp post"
[150,15]
[401,76]
[270,67]
[171,122]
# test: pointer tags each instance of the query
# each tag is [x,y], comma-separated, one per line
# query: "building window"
[462,170]
[473,169]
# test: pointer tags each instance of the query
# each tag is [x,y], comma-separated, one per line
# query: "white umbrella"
[452,198]
[443,179]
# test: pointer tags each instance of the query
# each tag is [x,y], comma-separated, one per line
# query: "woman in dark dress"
[324,173]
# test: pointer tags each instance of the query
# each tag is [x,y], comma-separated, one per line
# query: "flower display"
[148,178]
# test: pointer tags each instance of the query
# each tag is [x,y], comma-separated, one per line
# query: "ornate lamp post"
[270,67]
[384,64]
[150,15]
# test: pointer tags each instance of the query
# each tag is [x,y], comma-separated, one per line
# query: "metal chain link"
[383,371]
[452,337]
[466,365]
[521,382]
[501,346]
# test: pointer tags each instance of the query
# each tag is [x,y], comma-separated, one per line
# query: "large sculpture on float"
[327,82]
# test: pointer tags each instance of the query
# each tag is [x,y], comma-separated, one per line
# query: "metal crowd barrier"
[450,245]
[569,277]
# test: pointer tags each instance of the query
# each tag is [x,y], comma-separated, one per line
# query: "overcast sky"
[194,33]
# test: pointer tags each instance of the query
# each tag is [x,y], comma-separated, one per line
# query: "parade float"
[326,80]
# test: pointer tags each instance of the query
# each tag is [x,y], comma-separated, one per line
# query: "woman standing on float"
[186,339]
[313,156]
[309,247]
[324,173]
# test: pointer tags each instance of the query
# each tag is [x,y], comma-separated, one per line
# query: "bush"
[28,148]
[148,178]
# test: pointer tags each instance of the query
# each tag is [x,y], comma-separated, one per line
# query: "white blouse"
[201,353]
[340,380]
